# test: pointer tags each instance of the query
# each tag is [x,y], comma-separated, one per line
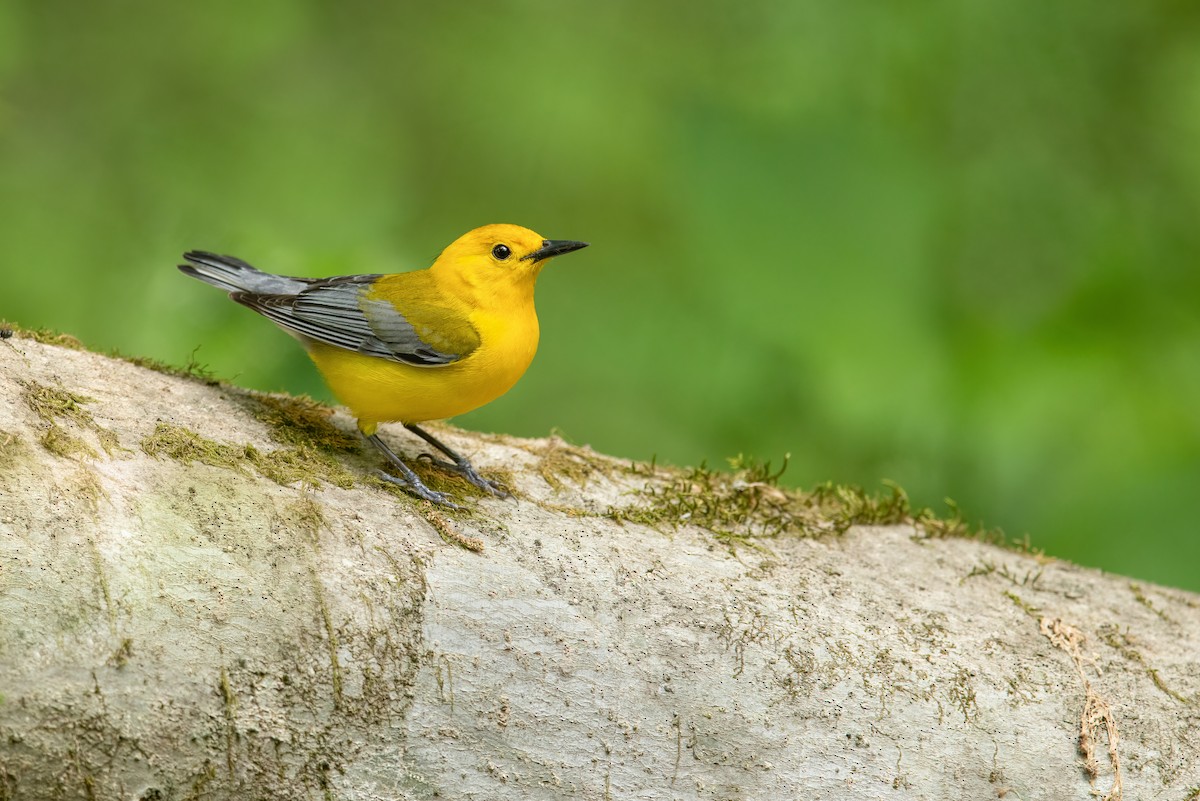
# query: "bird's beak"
[553,247]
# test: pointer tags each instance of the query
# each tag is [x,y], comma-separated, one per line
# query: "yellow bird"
[415,346]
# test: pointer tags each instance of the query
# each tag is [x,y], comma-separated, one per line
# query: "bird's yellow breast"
[380,390]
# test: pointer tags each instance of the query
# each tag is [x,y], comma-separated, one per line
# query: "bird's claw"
[420,490]
[486,484]
[466,471]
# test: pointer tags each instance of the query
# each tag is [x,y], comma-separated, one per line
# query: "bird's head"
[500,255]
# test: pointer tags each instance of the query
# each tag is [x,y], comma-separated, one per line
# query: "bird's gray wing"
[338,312]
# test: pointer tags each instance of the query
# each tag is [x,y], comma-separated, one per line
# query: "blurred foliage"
[953,244]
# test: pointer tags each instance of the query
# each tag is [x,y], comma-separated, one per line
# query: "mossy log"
[205,594]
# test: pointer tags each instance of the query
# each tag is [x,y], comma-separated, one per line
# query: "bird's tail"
[235,275]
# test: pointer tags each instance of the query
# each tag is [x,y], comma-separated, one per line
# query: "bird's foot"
[465,470]
[415,486]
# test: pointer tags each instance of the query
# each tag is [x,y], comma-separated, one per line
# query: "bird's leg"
[459,464]
[407,478]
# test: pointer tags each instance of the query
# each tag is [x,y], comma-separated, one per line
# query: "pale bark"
[172,630]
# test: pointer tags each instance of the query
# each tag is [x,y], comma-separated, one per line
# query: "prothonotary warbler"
[415,346]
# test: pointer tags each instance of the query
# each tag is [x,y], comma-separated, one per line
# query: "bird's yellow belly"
[380,390]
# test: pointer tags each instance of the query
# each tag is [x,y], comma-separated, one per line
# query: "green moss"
[984,569]
[558,460]
[284,466]
[90,489]
[750,504]
[708,499]
[962,696]
[289,465]
[108,439]
[446,481]
[301,421]
[193,370]
[183,445]
[205,776]
[987,568]
[120,657]
[1122,643]
[50,403]
[60,443]
[733,541]
[306,461]
[1141,598]
[505,478]
[43,335]
[306,515]
[54,405]
[844,506]
[12,449]
[1023,605]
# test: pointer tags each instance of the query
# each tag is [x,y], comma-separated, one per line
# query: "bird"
[413,346]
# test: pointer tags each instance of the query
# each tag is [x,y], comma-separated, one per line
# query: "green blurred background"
[953,244]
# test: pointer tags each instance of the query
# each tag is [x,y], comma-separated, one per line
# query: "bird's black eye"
[501,252]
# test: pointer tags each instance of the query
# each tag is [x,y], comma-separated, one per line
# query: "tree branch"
[204,594]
